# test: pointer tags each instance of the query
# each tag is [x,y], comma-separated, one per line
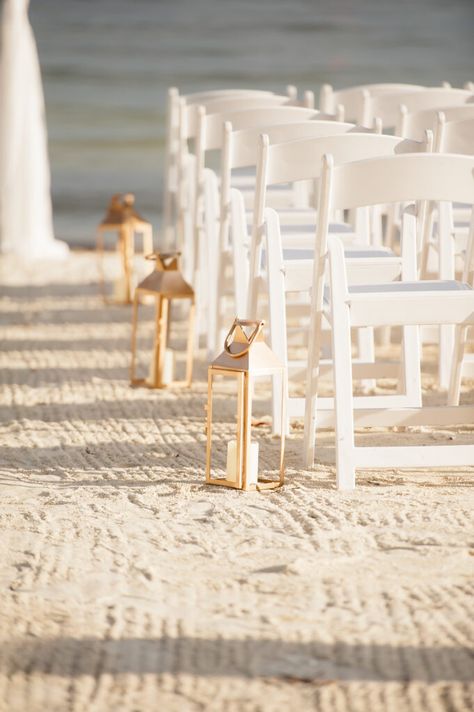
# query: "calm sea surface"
[107,64]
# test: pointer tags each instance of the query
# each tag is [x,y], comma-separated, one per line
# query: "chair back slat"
[387,106]
[260,116]
[405,178]
[352,98]
[245,142]
[301,160]
[455,136]
[417,122]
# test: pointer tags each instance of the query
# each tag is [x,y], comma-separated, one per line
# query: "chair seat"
[416,303]
[448,285]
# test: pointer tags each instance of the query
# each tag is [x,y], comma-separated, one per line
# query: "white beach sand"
[129,585]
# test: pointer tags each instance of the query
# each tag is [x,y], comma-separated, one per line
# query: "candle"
[120,289]
[168,368]
[252,469]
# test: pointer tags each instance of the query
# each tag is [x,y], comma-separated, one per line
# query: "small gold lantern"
[123,219]
[166,284]
[245,358]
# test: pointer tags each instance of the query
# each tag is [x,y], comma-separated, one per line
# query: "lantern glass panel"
[164,341]
[226,423]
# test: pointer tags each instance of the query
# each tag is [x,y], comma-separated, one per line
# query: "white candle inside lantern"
[120,289]
[231,469]
[168,368]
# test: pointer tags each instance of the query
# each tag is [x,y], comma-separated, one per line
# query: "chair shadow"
[304,662]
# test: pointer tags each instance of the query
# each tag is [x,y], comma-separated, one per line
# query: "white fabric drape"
[26,225]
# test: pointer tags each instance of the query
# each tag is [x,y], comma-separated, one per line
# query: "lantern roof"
[247,352]
[166,279]
[120,211]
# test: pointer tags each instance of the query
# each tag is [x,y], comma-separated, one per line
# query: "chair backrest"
[241,148]
[241,144]
[387,107]
[401,179]
[189,114]
[440,178]
[210,133]
[205,96]
[352,98]
[455,136]
[210,126]
[191,127]
[414,124]
[301,160]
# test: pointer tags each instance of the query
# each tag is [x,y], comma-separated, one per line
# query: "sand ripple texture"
[128,585]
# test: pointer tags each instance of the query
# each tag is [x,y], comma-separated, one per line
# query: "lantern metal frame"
[236,362]
[123,219]
[166,284]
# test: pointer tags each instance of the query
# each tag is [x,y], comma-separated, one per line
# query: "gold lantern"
[246,357]
[167,285]
[123,219]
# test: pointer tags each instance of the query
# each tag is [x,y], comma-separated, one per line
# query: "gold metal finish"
[123,219]
[244,357]
[166,284]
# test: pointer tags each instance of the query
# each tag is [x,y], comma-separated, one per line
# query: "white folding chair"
[454,137]
[407,303]
[287,267]
[393,109]
[209,136]
[240,151]
[173,145]
[189,118]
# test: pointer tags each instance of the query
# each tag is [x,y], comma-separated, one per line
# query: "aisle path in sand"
[127,584]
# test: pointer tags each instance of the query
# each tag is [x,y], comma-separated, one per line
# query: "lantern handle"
[258,326]
[162,255]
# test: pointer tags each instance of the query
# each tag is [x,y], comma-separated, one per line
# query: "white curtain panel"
[26,225]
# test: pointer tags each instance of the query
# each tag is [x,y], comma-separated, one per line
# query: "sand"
[129,585]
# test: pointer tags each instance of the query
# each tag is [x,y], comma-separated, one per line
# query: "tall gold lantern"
[167,285]
[122,219]
[246,357]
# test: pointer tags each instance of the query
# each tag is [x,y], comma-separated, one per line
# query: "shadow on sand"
[295,661]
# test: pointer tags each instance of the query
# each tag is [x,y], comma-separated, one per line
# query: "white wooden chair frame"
[301,160]
[240,150]
[209,136]
[189,128]
[410,304]
[172,143]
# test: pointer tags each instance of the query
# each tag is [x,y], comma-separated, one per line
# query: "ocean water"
[107,64]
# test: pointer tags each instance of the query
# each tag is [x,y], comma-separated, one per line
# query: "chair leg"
[343,398]
[456,370]
[312,384]
[446,271]
[445,355]
[342,369]
[410,374]
[277,313]
[365,347]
